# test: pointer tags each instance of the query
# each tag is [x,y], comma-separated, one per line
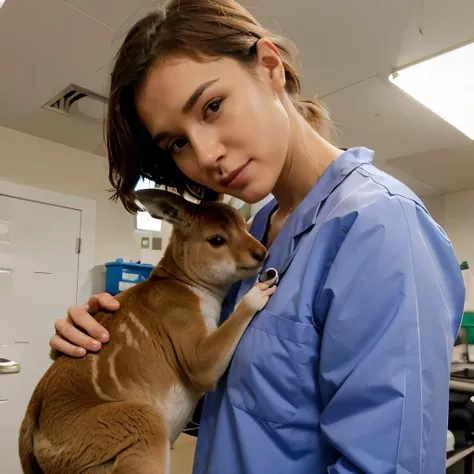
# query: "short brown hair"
[202,28]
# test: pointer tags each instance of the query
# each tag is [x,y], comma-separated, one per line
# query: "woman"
[347,368]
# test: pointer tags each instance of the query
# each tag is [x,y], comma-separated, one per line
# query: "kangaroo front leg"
[208,357]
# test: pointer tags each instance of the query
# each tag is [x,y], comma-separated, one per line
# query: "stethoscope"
[268,275]
[271,273]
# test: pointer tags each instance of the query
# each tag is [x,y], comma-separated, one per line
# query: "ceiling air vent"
[78,102]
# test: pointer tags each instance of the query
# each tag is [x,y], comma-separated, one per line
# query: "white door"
[38,282]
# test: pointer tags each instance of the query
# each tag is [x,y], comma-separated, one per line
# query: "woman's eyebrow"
[161,136]
[188,106]
[192,101]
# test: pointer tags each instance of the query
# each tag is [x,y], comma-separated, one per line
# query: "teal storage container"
[121,275]
[468,325]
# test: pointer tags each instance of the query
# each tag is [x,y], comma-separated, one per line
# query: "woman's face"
[224,123]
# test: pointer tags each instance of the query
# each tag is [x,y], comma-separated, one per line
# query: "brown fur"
[119,410]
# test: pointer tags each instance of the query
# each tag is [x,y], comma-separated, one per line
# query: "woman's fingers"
[66,329]
[79,331]
[80,316]
[271,290]
[102,301]
[61,345]
[266,284]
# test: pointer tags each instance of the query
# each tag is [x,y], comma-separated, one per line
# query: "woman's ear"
[271,64]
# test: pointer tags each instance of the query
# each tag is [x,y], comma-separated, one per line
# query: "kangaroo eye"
[216,241]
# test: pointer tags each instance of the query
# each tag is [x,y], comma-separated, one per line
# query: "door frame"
[87,231]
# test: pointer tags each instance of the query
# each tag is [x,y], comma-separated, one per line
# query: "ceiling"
[347,50]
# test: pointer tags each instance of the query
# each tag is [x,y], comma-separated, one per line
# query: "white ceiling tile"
[447,169]
[112,13]
[101,150]
[375,113]
[59,128]
[445,25]
[101,78]
[64,47]
[419,187]
[341,43]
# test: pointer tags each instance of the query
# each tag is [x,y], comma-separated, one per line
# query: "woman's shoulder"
[373,195]
[374,203]
[388,184]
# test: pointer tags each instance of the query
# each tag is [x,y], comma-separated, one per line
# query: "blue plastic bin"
[121,275]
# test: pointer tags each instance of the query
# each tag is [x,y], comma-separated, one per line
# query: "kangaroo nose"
[259,254]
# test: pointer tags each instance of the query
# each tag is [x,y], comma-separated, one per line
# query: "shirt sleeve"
[386,342]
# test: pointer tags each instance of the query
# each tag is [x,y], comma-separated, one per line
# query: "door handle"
[8,366]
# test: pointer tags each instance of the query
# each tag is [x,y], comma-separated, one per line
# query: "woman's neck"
[308,157]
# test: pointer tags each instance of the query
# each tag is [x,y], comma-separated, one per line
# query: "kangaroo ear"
[231,201]
[166,206]
[249,223]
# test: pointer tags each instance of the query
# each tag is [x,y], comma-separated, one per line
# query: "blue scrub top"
[347,368]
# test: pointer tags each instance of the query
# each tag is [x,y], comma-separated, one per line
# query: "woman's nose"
[208,152]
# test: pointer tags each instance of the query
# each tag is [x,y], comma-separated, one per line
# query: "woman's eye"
[213,107]
[178,145]
[216,241]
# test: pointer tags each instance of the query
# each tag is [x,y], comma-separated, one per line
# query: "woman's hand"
[73,342]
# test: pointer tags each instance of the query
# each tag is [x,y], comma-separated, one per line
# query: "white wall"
[40,163]
[254,208]
[455,213]
[460,224]
[154,256]
[436,205]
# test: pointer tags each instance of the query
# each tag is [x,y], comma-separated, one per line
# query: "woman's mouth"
[236,179]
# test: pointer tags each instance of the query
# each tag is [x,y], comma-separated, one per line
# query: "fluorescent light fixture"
[445,85]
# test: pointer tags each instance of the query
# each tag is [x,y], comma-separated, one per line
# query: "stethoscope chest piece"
[269,274]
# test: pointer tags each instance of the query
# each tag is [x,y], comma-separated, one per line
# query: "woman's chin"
[251,195]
